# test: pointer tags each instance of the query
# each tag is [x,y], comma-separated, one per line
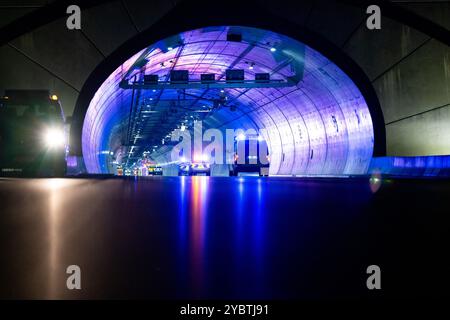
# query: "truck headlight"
[54,137]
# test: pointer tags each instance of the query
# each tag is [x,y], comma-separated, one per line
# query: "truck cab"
[33,140]
[251,155]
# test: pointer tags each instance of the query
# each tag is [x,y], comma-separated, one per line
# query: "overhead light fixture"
[179,76]
[151,78]
[169,48]
[251,66]
[273,49]
[262,77]
[183,127]
[234,75]
[207,78]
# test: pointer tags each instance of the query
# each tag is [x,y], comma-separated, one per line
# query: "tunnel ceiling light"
[273,49]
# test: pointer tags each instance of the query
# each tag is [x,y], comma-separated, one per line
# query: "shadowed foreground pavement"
[200,237]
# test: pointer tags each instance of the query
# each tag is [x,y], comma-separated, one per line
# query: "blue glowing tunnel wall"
[320,126]
[425,166]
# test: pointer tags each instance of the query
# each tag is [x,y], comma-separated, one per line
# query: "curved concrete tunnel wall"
[321,126]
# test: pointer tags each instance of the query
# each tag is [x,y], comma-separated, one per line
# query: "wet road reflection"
[202,237]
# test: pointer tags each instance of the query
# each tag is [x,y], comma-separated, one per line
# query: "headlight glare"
[54,137]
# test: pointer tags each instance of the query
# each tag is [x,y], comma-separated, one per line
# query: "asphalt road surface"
[230,238]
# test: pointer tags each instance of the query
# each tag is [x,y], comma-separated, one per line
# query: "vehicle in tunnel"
[251,155]
[154,169]
[183,169]
[198,168]
[33,140]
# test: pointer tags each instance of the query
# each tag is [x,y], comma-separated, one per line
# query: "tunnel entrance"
[311,114]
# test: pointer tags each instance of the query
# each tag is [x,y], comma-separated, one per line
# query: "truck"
[251,155]
[33,139]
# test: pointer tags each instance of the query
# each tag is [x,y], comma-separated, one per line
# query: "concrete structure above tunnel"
[320,126]
[406,62]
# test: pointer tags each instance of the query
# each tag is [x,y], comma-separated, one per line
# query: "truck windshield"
[30,110]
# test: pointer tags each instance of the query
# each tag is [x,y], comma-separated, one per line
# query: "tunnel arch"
[195,17]
[337,136]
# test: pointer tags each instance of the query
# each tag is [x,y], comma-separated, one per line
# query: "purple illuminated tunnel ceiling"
[322,125]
